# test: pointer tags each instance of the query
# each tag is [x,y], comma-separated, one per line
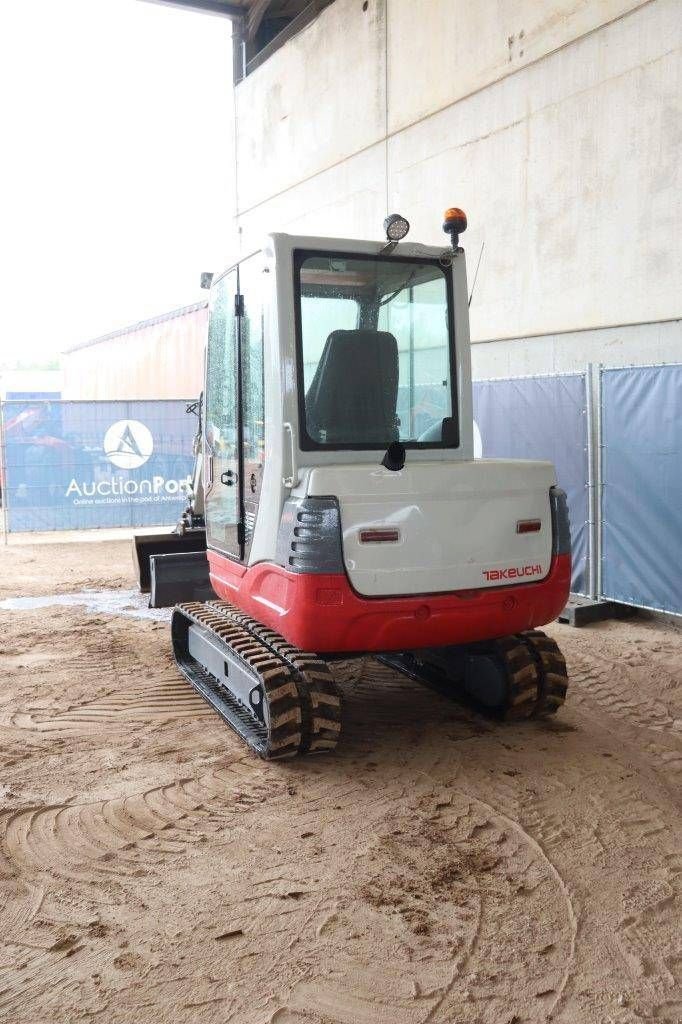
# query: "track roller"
[280,700]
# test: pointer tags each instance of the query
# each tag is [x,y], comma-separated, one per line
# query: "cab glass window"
[375,351]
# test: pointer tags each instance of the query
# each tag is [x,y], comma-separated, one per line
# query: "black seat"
[353,396]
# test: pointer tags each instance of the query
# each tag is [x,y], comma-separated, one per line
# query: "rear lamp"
[528,526]
[396,227]
[379,536]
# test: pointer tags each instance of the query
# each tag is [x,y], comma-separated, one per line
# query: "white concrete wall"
[557,126]
[563,353]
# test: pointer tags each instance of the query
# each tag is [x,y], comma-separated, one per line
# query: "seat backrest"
[354,393]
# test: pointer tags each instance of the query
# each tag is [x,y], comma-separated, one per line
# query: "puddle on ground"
[130,603]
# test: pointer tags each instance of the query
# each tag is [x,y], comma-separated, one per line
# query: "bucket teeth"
[303,708]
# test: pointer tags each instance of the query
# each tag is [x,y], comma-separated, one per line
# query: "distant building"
[17,385]
[158,358]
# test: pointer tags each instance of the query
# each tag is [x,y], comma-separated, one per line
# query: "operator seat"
[354,394]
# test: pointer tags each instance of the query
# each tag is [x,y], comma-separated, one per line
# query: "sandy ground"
[439,868]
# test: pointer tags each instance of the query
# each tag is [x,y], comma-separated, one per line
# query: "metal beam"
[256,14]
[227,10]
[308,13]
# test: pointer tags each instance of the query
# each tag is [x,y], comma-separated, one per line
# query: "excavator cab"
[360,355]
[345,512]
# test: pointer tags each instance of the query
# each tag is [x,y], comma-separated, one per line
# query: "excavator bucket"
[147,545]
[181,576]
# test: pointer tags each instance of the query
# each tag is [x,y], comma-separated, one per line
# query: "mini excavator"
[345,513]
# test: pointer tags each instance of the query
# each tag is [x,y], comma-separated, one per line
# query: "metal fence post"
[590,401]
[3,474]
[599,446]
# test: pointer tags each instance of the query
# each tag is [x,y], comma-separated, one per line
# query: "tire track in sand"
[610,687]
[131,834]
[448,874]
[649,722]
[158,700]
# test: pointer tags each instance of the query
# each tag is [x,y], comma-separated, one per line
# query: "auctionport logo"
[128,444]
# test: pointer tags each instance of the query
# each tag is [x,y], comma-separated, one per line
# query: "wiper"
[399,289]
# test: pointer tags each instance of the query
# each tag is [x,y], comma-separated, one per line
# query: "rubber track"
[319,695]
[283,737]
[536,670]
[552,672]
[523,677]
[304,708]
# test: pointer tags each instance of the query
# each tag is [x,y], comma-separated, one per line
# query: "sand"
[439,868]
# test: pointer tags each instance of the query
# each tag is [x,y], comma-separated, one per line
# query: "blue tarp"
[543,418]
[642,486]
[80,465]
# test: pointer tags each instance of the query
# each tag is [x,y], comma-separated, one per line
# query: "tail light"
[529,526]
[380,536]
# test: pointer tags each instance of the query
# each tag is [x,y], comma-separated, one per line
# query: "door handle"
[229,478]
[289,470]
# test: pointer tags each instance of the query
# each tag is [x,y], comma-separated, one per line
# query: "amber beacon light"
[454,224]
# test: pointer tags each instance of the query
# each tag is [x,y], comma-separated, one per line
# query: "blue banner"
[542,418]
[642,486]
[82,465]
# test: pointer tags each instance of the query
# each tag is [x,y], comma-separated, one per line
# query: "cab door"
[222,428]
[251,310]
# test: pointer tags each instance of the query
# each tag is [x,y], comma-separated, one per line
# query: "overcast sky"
[116,175]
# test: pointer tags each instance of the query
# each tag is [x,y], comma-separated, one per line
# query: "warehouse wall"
[556,125]
[157,359]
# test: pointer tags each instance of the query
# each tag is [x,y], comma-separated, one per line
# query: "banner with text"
[82,465]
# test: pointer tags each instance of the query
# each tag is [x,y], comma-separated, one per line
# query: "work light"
[396,227]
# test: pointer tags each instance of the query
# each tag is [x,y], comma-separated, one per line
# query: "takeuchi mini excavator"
[345,512]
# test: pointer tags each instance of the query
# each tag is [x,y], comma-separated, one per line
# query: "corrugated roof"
[140,325]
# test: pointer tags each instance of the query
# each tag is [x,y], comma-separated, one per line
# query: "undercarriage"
[284,702]
[511,678]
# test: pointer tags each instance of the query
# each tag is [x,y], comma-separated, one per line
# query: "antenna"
[480,255]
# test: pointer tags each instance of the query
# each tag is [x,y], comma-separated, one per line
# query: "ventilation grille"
[309,538]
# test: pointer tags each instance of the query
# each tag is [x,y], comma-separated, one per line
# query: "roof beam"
[256,14]
[205,7]
[305,16]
